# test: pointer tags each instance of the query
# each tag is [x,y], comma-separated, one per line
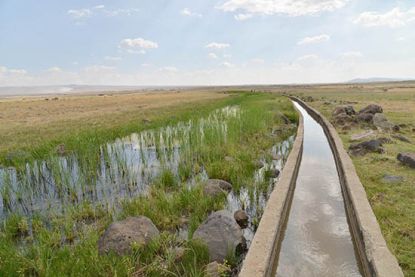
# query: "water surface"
[317,239]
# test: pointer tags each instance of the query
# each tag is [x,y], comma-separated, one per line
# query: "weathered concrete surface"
[375,256]
[265,246]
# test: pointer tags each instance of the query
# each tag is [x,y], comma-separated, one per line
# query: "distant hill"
[376,80]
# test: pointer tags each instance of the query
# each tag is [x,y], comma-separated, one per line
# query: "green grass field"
[65,243]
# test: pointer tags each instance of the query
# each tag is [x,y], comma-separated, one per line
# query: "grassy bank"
[393,204]
[54,244]
[33,128]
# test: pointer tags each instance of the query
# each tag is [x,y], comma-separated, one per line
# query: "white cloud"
[242,16]
[213,56]
[54,69]
[228,64]
[288,7]
[188,12]
[79,14]
[314,39]
[169,69]
[393,18]
[112,59]
[307,58]
[318,71]
[117,12]
[352,55]
[82,14]
[137,45]
[257,61]
[217,45]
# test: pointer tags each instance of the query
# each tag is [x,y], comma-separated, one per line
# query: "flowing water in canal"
[317,238]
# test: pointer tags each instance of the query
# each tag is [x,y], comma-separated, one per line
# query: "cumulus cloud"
[393,18]
[217,45]
[352,55]
[112,59]
[228,64]
[169,69]
[242,16]
[307,58]
[137,45]
[314,39]
[287,7]
[84,13]
[188,12]
[54,69]
[213,56]
[79,14]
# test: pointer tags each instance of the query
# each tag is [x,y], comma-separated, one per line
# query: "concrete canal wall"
[373,253]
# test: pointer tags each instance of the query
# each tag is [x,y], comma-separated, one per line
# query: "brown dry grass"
[27,122]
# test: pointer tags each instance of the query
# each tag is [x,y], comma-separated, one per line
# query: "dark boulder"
[273,173]
[215,187]
[360,149]
[349,110]
[365,117]
[121,235]
[407,159]
[372,108]
[342,119]
[222,235]
[241,218]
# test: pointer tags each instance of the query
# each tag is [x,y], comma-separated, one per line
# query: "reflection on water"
[126,167]
[317,239]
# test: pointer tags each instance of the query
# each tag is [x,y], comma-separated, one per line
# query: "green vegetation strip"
[66,244]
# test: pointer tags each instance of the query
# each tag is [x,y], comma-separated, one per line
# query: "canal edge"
[375,257]
[263,253]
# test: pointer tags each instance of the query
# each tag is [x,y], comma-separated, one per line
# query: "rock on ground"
[215,269]
[343,118]
[381,122]
[274,173]
[392,179]
[407,159]
[214,187]
[374,145]
[365,117]
[241,218]
[372,108]
[222,235]
[363,135]
[120,235]
[349,110]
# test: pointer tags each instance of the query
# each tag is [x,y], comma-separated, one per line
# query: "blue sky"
[214,42]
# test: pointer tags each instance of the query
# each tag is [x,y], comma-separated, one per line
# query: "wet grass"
[392,203]
[56,243]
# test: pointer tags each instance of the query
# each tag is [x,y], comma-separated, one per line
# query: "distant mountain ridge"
[376,80]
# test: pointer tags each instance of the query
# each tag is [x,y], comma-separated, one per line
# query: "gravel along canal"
[317,240]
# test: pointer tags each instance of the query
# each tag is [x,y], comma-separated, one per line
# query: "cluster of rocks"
[221,232]
[345,117]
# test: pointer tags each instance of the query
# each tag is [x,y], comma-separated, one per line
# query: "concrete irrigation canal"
[318,221]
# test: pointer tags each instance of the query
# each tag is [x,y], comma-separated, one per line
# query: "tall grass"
[220,144]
